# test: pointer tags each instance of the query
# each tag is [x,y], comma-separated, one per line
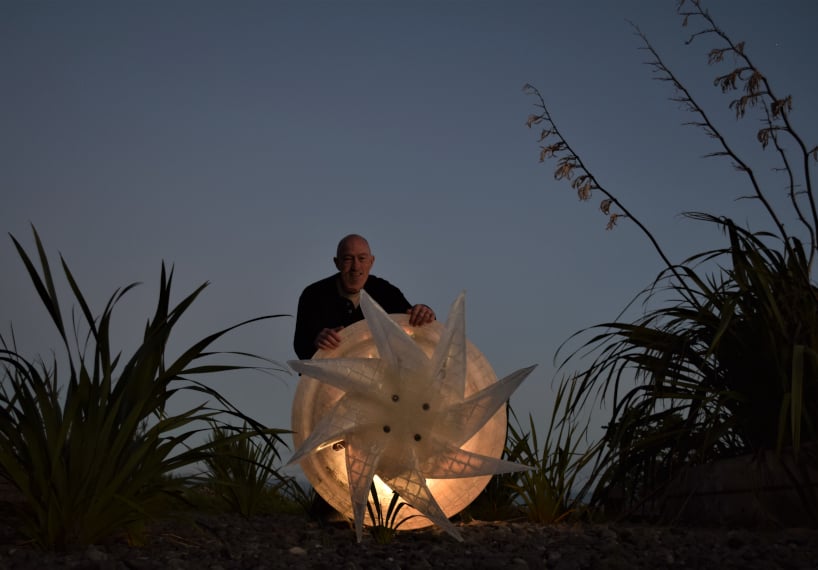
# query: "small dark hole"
[417,437]
[387,429]
[395,397]
[425,406]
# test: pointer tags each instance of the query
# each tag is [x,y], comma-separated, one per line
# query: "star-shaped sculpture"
[405,416]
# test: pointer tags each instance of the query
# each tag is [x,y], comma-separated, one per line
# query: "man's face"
[354,262]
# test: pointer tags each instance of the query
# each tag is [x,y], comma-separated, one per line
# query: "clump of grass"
[385,524]
[242,471]
[548,492]
[90,446]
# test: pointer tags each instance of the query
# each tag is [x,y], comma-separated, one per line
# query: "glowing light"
[423,412]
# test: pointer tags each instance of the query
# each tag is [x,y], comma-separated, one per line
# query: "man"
[329,305]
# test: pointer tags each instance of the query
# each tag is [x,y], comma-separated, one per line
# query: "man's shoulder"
[388,296]
[375,283]
[320,286]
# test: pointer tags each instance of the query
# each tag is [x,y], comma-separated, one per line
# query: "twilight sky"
[238,141]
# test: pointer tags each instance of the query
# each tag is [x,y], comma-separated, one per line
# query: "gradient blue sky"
[239,141]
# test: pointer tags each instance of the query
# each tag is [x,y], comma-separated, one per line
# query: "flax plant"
[549,492]
[385,524]
[89,446]
[243,472]
[727,361]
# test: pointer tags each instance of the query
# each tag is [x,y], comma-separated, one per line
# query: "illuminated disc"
[326,469]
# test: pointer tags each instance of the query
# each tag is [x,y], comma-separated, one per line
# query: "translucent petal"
[347,374]
[361,466]
[412,488]
[395,347]
[455,463]
[465,418]
[449,359]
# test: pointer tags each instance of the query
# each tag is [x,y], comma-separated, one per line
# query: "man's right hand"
[328,339]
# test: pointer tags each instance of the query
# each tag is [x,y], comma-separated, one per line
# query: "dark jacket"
[320,306]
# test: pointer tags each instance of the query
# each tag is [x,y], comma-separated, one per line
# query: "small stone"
[298,551]
[95,554]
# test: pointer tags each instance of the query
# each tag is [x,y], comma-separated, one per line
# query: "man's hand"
[420,315]
[328,339]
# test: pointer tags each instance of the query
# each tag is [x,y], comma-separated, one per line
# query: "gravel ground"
[224,542]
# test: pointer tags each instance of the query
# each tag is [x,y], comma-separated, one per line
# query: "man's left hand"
[420,315]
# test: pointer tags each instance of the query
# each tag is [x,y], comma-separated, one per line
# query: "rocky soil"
[225,542]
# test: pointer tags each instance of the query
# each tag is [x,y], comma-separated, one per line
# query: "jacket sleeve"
[307,328]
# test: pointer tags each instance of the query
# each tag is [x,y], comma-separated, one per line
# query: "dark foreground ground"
[224,542]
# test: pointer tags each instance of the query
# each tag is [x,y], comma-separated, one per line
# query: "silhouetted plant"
[549,492]
[728,363]
[92,452]
[307,499]
[385,524]
[243,471]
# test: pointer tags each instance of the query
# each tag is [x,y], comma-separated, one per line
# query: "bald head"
[350,240]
